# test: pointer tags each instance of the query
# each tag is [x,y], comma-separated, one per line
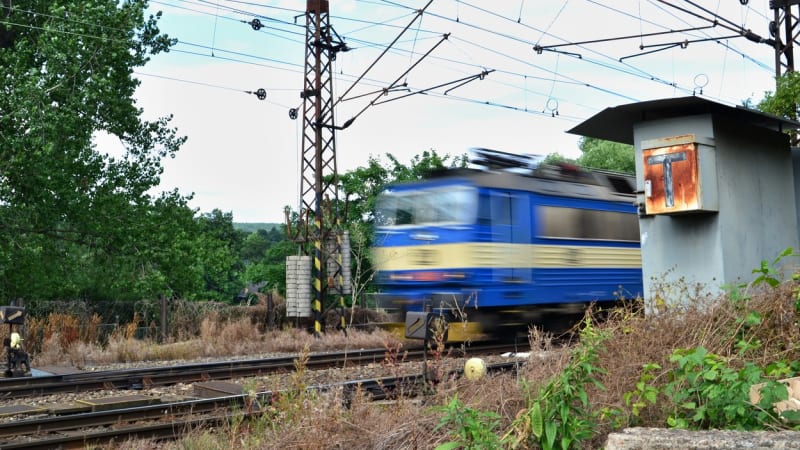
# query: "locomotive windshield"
[451,205]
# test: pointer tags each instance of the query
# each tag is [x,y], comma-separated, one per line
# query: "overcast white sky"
[242,154]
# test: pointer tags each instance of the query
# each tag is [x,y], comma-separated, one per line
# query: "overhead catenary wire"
[605,6]
[236,11]
[222,58]
[84,35]
[259,5]
[638,72]
[384,91]
[748,34]
[568,118]
[724,43]
[214,34]
[350,121]
[576,82]
[417,16]
[500,70]
[454,83]
[717,40]
[488,103]
[558,14]
[540,48]
[525,41]
[650,22]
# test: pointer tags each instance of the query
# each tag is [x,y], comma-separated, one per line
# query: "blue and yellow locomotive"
[513,243]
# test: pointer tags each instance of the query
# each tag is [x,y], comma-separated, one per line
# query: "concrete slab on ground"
[125,401]
[13,410]
[213,389]
[59,409]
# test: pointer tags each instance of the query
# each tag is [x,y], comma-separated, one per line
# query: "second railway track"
[171,418]
[174,419]
[143,378]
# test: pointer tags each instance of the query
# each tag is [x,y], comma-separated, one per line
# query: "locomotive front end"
[420,250]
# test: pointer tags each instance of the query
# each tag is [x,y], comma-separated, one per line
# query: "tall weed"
[559,414]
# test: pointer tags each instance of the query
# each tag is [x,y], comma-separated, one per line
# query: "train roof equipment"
[491,168]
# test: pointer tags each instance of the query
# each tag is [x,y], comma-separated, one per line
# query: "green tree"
[271,267]
[155,257]
[600,154]
[783,102]
[254,247]
[76,222]
[218,248]
[557,158]
[275,234]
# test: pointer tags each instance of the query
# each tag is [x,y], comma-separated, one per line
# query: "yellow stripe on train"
[493,255]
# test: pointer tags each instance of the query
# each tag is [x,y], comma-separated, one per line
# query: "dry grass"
[218,335]
[714,323]
[317,421]
[302,420]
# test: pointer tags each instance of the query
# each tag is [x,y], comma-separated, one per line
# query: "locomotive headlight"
[395,277]
[454,276]
[428,276]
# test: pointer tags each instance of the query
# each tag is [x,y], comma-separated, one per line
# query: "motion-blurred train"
[512,243]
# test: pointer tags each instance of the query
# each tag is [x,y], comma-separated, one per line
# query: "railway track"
[144,378]
[174,419]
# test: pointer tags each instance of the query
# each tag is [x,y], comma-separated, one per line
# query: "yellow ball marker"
[474,369]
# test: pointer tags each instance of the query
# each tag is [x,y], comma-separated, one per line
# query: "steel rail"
[142,378]
[178,418]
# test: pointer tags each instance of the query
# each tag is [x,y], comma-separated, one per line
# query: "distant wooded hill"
[251,227]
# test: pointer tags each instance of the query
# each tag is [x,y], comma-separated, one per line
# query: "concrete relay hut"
[716,187]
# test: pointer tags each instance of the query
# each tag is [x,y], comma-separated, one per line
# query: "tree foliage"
[75,221]
[558,158]
[783,102]
[600,154]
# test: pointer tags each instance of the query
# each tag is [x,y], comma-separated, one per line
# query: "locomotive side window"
[562,222]
[575,223]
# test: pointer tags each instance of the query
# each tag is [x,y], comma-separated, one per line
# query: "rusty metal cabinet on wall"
[679,176]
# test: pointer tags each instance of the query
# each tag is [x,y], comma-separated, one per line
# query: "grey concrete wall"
[796,170]
[757,216]
[677,249]
[756,185]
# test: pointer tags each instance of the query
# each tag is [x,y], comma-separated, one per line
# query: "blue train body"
[491,243]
